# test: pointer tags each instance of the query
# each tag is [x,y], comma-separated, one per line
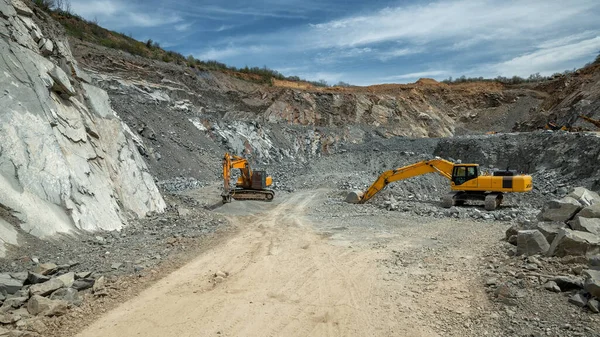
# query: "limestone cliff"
[67,161]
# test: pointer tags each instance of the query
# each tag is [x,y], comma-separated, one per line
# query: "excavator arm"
[441,166]
[231,162]
[590,120]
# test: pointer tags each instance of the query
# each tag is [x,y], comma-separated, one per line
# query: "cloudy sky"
[366,42]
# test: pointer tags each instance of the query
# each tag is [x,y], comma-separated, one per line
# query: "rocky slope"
[568,97]
[65,148]
[67,161]
[187,117]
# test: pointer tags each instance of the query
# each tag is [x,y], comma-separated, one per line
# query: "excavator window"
[462,174]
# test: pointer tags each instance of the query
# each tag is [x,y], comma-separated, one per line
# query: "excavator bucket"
[354,197]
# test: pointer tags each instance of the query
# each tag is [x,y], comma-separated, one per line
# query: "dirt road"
[285,278]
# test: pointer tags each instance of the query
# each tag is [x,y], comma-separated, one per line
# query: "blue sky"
[367,42]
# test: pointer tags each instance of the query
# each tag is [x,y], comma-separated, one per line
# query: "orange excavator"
[251,185]
[466,183]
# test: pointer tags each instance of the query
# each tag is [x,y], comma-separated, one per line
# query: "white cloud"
[453,27]
[395,53]
[91,9]
[223,28]
[183,27]
[456,20]
[228,52]
[567,39]
[147,20]
[549,60]
[118,14]
[335,55]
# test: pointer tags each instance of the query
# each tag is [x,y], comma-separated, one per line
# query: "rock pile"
[47,291]
[567,228]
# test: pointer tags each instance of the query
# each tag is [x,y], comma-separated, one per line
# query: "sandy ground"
[292,271]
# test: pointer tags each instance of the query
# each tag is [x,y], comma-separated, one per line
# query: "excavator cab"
[463,173]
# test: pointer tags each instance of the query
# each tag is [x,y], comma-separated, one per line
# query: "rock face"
[531,242]
[570,242]
[560,210]
[67,162]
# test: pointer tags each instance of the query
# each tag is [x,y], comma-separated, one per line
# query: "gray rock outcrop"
[67,161]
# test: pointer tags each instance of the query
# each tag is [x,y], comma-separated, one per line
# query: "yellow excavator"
[251,185]
[466,183]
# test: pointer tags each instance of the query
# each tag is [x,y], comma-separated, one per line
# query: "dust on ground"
[293,269]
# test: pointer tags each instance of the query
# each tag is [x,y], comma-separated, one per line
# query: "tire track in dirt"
[284,279]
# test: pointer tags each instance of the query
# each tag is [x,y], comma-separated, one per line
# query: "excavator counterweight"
[466,182]
[251,185]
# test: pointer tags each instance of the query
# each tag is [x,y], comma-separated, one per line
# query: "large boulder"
[39,305]
[13,303]
[83,284]
[592,211]
[67,279]
[567,283]
[570,242]
[67,294]
[35,278]
[560,210]
[586,225]
[585,196]
[531,242]
[592,282]
[9,285]
[550,229]
[46,288]
[46,268]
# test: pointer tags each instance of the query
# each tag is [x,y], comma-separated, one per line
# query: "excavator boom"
[465,182]
[440,166]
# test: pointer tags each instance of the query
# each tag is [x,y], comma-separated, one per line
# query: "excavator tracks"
[491,200]
[243,194]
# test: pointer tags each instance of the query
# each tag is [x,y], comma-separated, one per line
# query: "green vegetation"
[533,78]
[82,29]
